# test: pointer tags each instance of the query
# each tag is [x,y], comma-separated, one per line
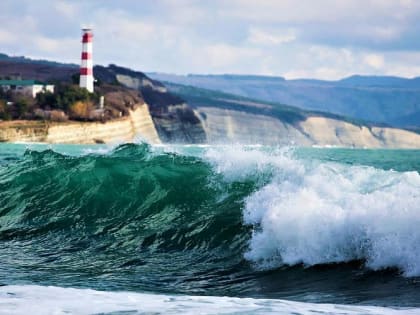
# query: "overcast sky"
[325,39]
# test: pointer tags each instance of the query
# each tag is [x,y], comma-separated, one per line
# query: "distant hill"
[412,121]
[380,81]
[42,70]
[23,59]
[199,97]
[389,100]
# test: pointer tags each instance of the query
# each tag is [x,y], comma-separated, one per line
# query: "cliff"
[138,124]
[174,119]
[185,114]
[381,99]
[234,126]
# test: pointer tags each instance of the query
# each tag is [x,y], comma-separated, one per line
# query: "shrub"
[21,107]
[58,115]
[4,111]
[64,97]
[80,110]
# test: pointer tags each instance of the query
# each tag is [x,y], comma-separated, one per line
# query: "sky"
[324,39]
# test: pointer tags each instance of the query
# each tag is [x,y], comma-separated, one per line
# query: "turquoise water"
[311,225]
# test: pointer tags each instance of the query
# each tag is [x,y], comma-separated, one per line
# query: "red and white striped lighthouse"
[86,66]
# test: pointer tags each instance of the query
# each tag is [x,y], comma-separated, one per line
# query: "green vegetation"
[4,113]
[13,106]
[64,97]
[21,106]
[382,100]
[198,97]
[18,106]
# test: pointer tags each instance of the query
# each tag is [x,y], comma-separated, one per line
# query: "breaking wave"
[211,220]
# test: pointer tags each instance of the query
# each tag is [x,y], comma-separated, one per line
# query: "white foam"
[31,299]
[316,213]
[237,162]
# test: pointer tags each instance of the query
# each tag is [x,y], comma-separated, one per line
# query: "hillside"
[174,119]
[176,113]
[388,100]
[199,97]
[228,118]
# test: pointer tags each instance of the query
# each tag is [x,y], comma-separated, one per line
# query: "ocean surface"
[140,229]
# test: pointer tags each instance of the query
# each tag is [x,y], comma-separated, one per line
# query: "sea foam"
[31,299]
[314,212]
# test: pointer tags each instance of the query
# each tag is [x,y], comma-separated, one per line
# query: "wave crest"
[321,213]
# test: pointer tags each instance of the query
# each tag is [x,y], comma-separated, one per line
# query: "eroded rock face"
[223,125]
[138,124]
[230,126]
[216,126]
[326,131]
[174,120]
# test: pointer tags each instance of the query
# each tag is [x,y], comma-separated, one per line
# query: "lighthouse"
[86,66]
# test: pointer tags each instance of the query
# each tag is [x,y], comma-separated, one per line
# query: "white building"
[27,87]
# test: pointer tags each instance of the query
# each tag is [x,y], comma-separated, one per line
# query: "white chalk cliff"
[138,124]
[220,126]
[223,125]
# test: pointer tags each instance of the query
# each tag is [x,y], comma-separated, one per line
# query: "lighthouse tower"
[86,66]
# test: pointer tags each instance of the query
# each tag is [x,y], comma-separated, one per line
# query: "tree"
[75,78]
[21,107]
[81,110]
[4,111]
[64,97]
[46,100]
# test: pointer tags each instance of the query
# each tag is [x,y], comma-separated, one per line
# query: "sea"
[213,229]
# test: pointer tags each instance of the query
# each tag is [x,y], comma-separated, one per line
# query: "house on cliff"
[27,87]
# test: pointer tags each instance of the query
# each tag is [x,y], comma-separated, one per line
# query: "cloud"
[258,36]
[324,39]
[374,60]
[66,9]
[6,37]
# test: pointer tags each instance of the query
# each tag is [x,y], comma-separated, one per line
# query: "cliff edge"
[137,125]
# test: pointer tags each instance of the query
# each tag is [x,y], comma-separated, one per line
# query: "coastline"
[219,127]
[139,123]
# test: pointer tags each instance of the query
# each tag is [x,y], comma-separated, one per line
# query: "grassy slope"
[198,97]
[379,99]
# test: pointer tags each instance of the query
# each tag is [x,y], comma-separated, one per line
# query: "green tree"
[75,78]
[64,97]
[4,111]
[46,100]
[21,106]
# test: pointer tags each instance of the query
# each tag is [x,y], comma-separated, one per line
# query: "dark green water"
[318,225]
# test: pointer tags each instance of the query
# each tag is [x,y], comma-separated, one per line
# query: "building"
[26,87]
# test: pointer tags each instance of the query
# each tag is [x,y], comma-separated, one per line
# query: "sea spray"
[334,214]
[214,220]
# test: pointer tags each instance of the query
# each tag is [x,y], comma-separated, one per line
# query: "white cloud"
[326,73]
[222,55]
[325,39]
[308,11]
[6,37]
[66,9]
[374,60]
[260,37]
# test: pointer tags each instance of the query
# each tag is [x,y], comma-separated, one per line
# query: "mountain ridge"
[372,98]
